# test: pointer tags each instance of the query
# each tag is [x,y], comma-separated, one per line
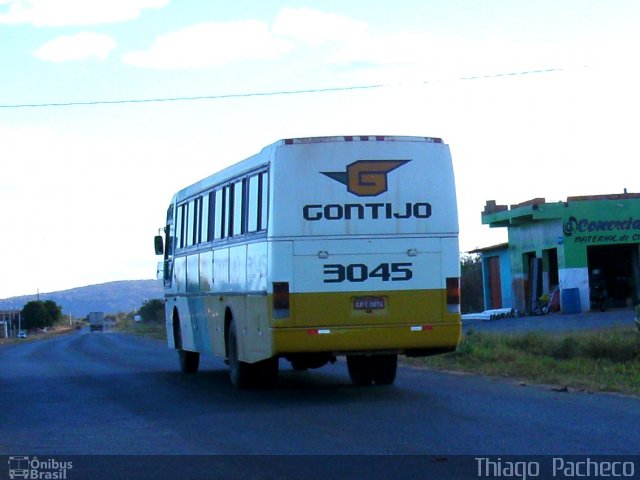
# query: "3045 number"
[359,272]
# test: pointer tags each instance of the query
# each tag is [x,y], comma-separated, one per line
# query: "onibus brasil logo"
[34,468]
[366,178]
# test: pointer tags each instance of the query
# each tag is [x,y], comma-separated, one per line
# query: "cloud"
[353,43]
[316,28]
[398,48]
[59,13]
[80,46]
[210,44]
[389,54]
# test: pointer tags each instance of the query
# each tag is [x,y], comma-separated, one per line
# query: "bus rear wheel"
[360,370]
[240,373]
[189,361]
[367,369]
[384,369]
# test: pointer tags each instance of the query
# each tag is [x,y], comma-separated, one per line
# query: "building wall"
[591,223]
[9,320]
[505,277]
[529,240]
[604,222]
[570,228]
[576,278]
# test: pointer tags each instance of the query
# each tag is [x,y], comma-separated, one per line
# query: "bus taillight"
[280,299]
[453,295]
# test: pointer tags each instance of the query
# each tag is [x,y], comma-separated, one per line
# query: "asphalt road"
[114,394]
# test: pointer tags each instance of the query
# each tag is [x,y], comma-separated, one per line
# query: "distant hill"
[113,297]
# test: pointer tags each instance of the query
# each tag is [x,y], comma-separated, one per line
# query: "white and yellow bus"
[312,249]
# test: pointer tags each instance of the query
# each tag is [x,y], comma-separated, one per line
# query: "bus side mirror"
[159,245]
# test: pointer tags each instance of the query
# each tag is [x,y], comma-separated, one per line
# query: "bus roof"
[264,157]
[360,138]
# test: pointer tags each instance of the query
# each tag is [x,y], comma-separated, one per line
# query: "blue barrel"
[570,300]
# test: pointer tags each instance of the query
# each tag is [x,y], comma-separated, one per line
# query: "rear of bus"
[364,258]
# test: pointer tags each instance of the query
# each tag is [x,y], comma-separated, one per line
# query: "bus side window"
[219,215]
[263,200]
[253,212]
[170,239]
[191,220]
[179,226]
[207,217]
[238,204]
[227,220]
[197,229]
[169,234]
[168,251]
[170,214]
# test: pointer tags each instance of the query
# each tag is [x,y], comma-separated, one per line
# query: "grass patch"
[146,329]
[606,360]
[59,329]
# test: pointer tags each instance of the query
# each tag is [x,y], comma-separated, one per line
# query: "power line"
[196,98]
[269,94]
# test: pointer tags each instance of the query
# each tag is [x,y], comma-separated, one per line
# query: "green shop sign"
[586,230]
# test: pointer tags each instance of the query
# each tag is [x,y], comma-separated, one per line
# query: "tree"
[54,310]
[152,310]
[39,314]
[471,289]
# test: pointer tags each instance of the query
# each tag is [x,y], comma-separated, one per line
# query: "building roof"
[492,248]
[496,215]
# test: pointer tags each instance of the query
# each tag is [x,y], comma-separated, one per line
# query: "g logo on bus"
[366,178]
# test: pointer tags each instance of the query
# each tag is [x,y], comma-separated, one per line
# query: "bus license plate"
[368,303]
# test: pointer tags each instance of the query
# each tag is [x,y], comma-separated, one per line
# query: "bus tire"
[265,372]
[360,370]
[384,369]
[240,373]
[189,361]
[177,332]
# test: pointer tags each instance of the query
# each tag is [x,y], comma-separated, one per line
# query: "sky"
[536,98]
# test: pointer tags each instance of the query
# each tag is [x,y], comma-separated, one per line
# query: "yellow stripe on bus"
[410,307]
[329,322]
[355,339]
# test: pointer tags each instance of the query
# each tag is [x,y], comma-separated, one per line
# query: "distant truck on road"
[96,321]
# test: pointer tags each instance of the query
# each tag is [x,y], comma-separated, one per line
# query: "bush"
[534,343]
[152,310]
[612,347]
[567,348]
[602,360]
[471,289]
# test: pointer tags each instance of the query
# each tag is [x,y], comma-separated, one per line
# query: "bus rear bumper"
[412,340]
